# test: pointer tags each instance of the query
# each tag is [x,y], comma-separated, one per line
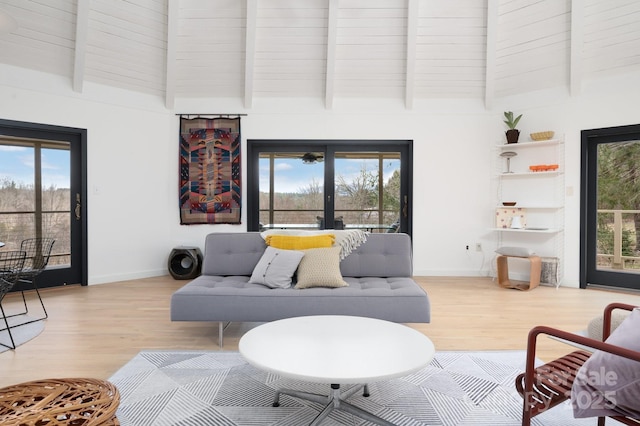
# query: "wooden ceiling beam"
[490,61]
[250,51]
[80,52]
[332,37]
[170,67]
[577,45]
[412,35]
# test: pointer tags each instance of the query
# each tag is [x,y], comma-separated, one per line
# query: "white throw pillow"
[276,267]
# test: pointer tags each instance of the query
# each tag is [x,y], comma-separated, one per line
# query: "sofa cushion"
[233,298]
[297,242]
[276,267]
[382,255]
[320,267]
[232,253]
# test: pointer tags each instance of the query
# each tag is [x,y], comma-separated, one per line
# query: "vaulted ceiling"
[327,49]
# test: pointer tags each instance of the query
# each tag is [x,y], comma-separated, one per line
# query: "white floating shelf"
[531,230]
[529,143]
[530,174]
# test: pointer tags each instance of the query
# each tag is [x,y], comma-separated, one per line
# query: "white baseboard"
[104,279]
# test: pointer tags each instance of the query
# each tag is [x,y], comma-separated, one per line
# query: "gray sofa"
[378,273]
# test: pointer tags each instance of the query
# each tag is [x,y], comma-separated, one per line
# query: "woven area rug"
[220,388]
[21,334]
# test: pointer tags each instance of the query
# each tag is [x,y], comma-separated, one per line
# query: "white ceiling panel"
[611,37]
[371,49]
[533,45]
[126,44]
[44,38]
[451,49]
[290,48]
[326,49]
[210,52]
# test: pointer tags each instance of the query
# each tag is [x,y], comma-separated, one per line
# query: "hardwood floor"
[92,331]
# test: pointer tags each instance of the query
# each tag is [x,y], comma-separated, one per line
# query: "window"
[35,199]
[43,176]
[329,184]
[610,207]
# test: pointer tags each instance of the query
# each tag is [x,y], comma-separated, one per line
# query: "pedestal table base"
[336,400]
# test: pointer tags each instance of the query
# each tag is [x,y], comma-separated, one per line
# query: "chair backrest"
[38,251]
[11,265]
[395,227]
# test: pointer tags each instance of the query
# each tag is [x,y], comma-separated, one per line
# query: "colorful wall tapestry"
[210,190]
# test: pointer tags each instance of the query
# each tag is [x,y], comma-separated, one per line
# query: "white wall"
[601,103]
[133,162]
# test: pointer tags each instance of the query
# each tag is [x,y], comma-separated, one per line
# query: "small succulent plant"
[510,121]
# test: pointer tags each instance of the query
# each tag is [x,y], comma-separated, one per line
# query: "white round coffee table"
[336,350]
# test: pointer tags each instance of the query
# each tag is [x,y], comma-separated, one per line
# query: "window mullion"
[37,187]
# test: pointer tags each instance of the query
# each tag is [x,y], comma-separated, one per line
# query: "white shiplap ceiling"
[327,49]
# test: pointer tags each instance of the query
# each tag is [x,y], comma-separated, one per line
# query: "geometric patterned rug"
[188,388]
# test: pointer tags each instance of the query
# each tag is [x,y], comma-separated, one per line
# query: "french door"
[42,182]
[610,207]
[329,185]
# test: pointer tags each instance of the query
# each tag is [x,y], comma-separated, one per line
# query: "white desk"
[336,350]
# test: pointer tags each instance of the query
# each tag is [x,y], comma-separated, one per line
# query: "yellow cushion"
[295,242]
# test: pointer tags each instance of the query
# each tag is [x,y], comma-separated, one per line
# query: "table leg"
[320,399]
[335,401]
[356,411]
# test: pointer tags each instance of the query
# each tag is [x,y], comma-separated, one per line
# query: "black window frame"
[589,273]
[329,148]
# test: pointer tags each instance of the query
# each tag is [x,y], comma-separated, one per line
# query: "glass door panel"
[56,201]
[35,195]
[367,190]
[291,189]
[618,216]
[610,207]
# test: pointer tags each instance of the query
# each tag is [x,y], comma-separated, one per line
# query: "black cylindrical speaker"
[185,263]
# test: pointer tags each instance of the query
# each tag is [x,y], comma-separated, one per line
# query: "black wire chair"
[38,252]
[11,266]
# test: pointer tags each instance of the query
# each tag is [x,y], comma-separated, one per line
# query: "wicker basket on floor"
[60,402]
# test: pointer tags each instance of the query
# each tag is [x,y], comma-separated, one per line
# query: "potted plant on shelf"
[512,134]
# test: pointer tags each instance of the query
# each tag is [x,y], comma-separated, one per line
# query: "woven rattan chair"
[60,402]
[11,265]
[545,387]
[38,252]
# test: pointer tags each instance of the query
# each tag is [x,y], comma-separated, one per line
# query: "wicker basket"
[60,402]
[542,136]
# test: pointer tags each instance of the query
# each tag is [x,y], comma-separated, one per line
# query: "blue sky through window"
[17,164]
[292,176]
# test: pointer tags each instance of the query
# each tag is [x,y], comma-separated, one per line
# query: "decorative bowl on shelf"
[543,167]
[542,136]
[509,203]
